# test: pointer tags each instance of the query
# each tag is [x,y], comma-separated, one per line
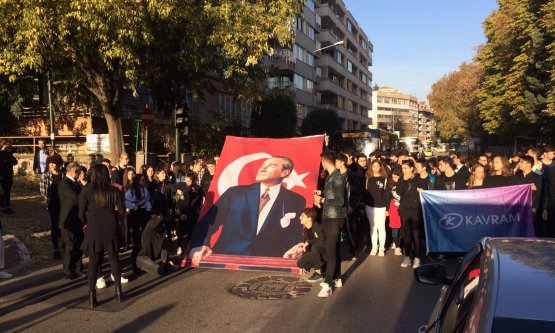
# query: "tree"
[276,117]
[455,104]
[320,121]
[518,60]
[109,43]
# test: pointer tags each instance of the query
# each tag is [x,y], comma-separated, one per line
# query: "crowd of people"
[368,202]
[109,208]
[373,202]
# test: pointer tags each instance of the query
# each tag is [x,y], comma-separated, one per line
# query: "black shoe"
[92,299]
[57,255]
[72,276]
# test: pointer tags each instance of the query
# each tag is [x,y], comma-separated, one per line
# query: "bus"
[410,143]
[365,141]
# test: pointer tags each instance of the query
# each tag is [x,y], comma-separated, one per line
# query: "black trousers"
[332,229]
[550,223]
[411,224]
[137,220]
[72,249]
[54,213]
[6,197]
[314,258]
[92,271]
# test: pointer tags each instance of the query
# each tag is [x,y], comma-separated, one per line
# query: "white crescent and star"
[230,175]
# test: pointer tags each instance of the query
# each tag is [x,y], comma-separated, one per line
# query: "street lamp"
[332,45]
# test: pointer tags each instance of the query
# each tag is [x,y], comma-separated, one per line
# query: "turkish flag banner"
[250,218]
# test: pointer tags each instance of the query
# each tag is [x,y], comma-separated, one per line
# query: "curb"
[23,252]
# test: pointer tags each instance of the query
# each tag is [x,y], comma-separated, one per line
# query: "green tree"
[455,104]
[517,61]
[275,118]
[321,121]
[109,43]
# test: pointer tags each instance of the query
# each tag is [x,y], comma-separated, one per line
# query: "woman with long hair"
[394,218]
[99,206]
[83,179]
[128,174]
[376,206]
[138,207]
[500,174]
[410,211]
[477,176]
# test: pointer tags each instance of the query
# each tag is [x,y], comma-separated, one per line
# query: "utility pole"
[50,110]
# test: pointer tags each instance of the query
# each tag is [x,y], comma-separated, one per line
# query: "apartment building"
[426,121]
[328,66]
[396,111]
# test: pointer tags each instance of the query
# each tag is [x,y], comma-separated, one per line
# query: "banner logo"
[450,221]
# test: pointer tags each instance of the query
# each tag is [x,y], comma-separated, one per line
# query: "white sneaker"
[326,290]
[4,274]
[406,262]
[374,251]
[393,247]
[179,251]
[416,263]
[398,251]
[381,253]
[338,283]
[122,279]
[100,283]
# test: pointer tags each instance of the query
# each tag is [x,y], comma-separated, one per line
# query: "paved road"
[377,296]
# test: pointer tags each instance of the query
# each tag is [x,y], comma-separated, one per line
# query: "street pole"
[50,111]
[177,148]
[146,146]
[137,124]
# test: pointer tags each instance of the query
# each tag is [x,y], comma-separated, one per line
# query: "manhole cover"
[272,287]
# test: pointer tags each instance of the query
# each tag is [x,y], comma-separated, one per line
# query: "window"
[310,4]
[338,56]
[349,26]
[309,59]
[310,31]
[363,44]
[300,23]
[309,86]
[349,66]
[461,296]
[299,82]
[363,77]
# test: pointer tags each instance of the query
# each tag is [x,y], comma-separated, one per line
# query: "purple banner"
[455,220]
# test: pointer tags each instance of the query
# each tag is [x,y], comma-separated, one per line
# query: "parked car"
[501,285]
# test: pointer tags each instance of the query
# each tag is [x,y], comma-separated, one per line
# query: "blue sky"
[416,42]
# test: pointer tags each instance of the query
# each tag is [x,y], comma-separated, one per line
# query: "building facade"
[328,66]
[396,111]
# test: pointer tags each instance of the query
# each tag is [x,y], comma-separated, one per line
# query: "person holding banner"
[410,211]
[477,176]
[449,180]
[500,174]
[528,176]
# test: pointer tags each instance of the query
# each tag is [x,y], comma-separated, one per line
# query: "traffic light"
[182,116]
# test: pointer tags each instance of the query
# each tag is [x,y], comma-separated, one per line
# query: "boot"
[92,299]
[119,294]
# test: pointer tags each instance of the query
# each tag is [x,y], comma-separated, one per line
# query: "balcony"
[326,35]
[283,59]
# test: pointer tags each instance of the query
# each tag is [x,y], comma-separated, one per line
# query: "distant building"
[396,111]
[426,122]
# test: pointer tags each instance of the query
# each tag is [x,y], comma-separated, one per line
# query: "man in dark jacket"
[334,213]
[7,162]
[39,160]
[354,194]
[527,176]
[70,224]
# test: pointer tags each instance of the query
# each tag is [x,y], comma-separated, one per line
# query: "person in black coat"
[39,159]
[7,162]
[70,224]
[99,207]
